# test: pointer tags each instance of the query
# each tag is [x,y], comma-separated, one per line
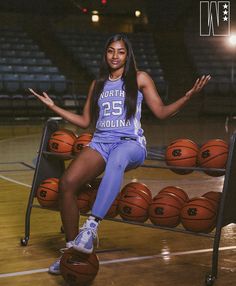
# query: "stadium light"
[95,18]
[232,40]
[137,13]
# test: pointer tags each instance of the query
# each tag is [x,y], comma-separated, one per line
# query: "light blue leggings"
[119,157]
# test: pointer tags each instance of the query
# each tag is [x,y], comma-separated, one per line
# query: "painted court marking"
[14,181]
[123,260]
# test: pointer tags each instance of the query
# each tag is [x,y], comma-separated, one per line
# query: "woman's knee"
[67,185]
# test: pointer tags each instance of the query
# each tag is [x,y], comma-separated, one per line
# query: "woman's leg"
[124,155]
[86,166]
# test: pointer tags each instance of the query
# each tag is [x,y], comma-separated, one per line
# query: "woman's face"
[116,55]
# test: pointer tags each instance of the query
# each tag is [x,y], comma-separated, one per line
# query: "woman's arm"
[82,121]
[154,102]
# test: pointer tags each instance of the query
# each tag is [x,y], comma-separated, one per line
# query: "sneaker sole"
[87,251]
[54,273]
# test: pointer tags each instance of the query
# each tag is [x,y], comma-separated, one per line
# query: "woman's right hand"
[43,98]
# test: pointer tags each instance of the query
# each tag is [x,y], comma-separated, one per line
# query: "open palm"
[44,98]
[198,85]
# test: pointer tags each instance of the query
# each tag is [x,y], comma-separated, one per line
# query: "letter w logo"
[214,18]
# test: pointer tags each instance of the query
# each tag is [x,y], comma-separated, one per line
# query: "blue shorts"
[105,149]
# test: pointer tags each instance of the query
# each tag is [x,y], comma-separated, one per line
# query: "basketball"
[213,154]
[182,153]
[165,210]
[82,141]
[113,210]
[47,193]
[84,198]
[78,268]
[137,186]
[177,191]
[62,141]
[199,215]
[214,197]
[134,204]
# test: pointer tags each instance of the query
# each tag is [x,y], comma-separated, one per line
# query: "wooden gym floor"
[129,255]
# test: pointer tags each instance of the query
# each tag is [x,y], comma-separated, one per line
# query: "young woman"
[114,106]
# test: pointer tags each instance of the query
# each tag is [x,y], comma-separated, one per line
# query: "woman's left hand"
[198,86]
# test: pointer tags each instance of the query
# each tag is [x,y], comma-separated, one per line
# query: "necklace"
[114,79]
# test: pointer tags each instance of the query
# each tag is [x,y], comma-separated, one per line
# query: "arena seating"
[24,65]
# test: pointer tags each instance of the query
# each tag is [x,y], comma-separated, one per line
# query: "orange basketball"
[47,193]
[82,141]
[78,268]
[62,141]
[165,210]
[138,186]
[182,153]
[213,154]
[199,215]
[84,198]
[177,191]
[133,205]
[214,197]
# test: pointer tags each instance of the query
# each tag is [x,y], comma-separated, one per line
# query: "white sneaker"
[84,241]
[55,267]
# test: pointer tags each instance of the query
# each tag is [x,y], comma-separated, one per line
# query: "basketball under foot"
[55,267]
[84,242]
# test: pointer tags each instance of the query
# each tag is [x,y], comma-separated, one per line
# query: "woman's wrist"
[52,105]
[186,97]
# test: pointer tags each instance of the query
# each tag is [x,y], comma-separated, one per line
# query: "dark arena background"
[56,46]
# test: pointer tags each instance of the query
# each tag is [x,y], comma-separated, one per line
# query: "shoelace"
[85,236]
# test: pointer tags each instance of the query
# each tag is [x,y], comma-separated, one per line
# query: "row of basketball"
[170,207]
[183,153]
[213,154]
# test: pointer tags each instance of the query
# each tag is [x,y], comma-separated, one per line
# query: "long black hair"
[129,77]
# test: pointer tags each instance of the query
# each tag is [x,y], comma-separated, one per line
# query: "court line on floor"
[122,260]
[14,181]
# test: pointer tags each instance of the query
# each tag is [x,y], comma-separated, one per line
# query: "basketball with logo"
[165,210]
[213,154]
[82,141]
[134,204]
[62,142]
[182,153]
[77,268]
[47,193]
[199,215]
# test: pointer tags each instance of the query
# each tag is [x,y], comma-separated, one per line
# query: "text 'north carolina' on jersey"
[112,124]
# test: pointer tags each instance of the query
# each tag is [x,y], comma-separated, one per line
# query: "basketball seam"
[211,158]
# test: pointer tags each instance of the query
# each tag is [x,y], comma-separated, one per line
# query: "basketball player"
[114,106]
